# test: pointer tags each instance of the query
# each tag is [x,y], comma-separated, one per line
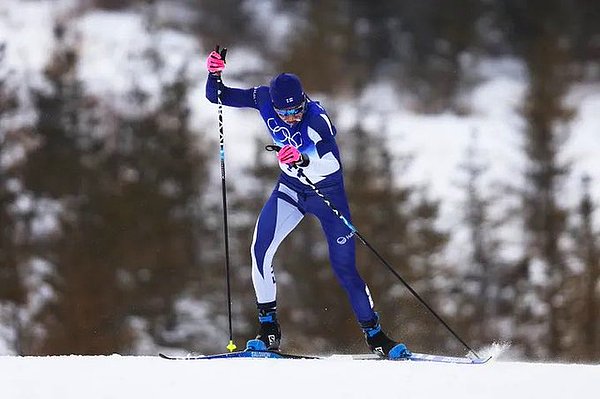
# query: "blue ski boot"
[269,335]
[381,344]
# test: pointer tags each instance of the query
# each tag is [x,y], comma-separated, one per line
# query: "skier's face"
[292,115]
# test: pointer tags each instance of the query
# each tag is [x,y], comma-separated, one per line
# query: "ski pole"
[223,52]
[355,231]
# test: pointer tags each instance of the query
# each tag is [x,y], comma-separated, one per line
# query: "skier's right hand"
[289,155]
[214,63]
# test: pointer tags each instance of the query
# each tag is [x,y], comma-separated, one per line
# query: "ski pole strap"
[272,147]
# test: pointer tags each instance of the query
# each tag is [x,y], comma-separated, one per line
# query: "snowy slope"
[107,377]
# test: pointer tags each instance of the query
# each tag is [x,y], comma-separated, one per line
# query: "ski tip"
[479,360]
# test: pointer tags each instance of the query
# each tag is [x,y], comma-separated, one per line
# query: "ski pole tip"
[231,346]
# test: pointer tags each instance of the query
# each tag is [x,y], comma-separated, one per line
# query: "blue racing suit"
[291,198]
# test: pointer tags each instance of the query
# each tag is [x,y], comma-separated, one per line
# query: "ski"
[250,353]
[425,357]
[418,357]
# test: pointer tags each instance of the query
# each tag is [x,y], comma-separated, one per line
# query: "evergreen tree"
[540,26]
[152,220]
[81,319]
[481,304]
[586,310]
[10,286]
[55,173]
[125,250]
[12,292]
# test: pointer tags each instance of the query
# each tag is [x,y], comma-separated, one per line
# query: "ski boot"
[269,335]
[380,344]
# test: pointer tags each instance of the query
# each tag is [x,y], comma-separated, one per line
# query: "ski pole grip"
[222,51]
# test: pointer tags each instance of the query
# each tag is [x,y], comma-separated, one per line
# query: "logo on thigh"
[344,239]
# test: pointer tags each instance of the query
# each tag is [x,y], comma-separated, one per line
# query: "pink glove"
[214,63]
[289,155]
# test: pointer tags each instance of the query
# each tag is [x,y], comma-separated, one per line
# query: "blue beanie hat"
[286,91]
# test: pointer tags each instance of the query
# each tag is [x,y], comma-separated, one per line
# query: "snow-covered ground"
[107,377]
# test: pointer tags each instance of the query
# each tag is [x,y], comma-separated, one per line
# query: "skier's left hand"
[289,155]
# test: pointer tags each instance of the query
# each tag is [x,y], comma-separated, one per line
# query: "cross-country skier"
[306,136]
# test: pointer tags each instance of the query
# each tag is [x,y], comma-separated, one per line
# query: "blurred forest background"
[111,233]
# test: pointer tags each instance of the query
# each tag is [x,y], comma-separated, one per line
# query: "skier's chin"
[292,120]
